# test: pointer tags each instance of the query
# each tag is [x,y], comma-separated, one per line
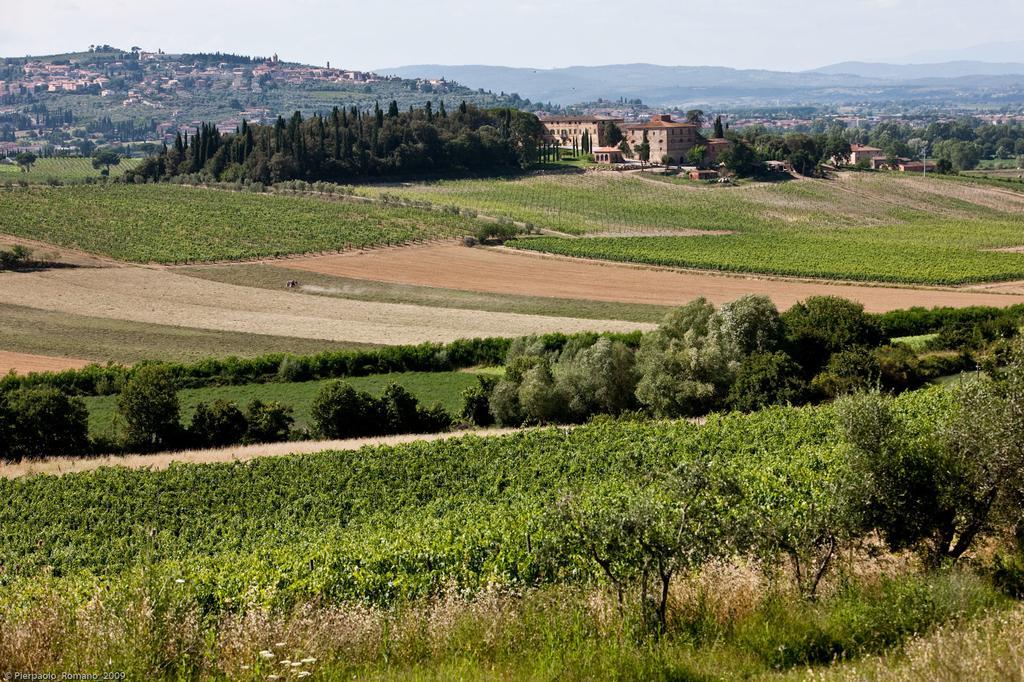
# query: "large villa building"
[567,131]
[667,138]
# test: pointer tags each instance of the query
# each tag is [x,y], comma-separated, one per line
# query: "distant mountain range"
[848,82]
[910,72]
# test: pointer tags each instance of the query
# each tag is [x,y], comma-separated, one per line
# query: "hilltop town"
[139,95]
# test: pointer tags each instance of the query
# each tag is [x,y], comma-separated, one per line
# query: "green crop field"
[63,168]
[168,223]
[876,227]
[429,388]
[335,564]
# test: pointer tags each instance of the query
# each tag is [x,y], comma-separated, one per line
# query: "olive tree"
[939,480]
[639,536]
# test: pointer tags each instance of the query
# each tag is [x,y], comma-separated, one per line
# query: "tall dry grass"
[726,621]
[990,649]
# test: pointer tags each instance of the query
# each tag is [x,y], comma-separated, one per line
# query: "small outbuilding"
[608,155]
[703,174]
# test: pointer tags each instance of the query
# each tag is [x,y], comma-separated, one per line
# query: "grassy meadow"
[429,388]
[876,227]
[173,224]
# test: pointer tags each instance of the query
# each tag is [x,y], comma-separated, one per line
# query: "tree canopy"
[347,144]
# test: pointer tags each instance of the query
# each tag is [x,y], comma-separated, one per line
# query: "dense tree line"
[743,356]
[954,145]
[755,145]
[352,143]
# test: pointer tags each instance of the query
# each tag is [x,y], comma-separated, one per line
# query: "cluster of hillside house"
[668,139]
[875,158]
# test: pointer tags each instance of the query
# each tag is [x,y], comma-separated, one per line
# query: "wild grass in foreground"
[726,622]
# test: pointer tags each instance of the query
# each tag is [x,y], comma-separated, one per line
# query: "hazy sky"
[774,34]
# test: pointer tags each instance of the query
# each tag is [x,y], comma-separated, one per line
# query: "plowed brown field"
[23,363]
[454,266]
[161,296]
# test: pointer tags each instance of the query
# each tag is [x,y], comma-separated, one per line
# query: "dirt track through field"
[161,296]
[454,266]
[23,363]
[237,453]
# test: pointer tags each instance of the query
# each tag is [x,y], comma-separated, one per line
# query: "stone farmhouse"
[666,137]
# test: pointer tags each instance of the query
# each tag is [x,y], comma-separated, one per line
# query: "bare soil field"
[162,296]
[24,363]
[505,271]
[48,253]
[238,453]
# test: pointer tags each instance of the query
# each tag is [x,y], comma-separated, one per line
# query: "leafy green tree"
[105,158]
[340,411]
[803,162]
[696,117]
[25,161]
[766,379]
[805,509]
[823,325]
[696,155]
[741,159]
[940,485]
[688,363]
[217,424]
[504,399]
[849,371]
[837,150]
[639,537]
[601,379]
[610,134]
[753,324]
[42,422]
[537,395]
[643,150]
[149,408]
[16,257]
[267,422]
[476,401]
